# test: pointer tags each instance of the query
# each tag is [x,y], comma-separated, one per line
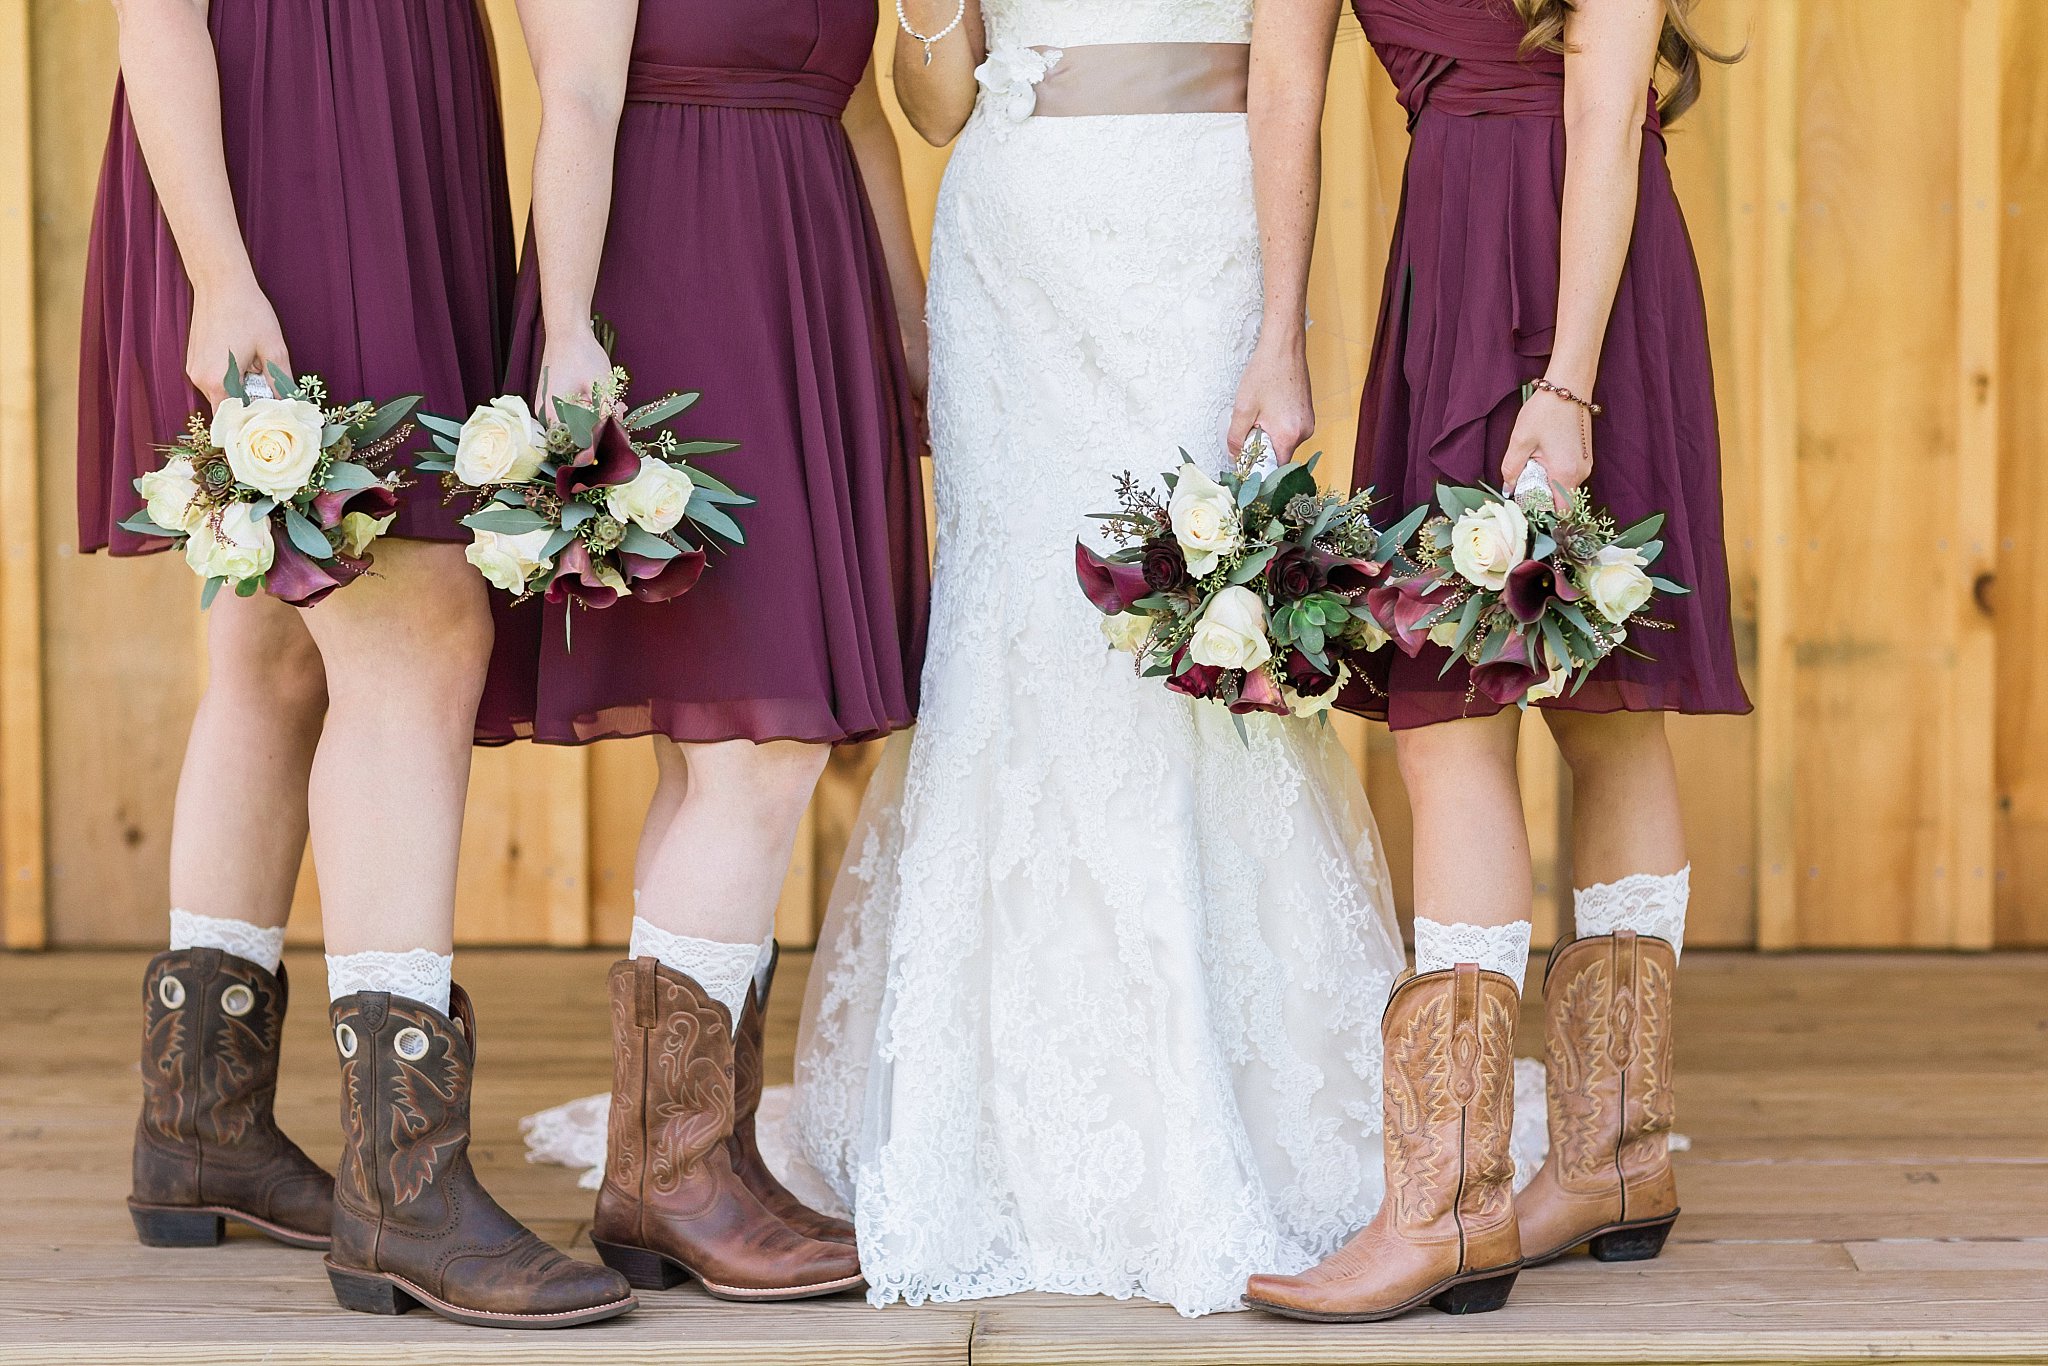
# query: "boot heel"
[1476,1297]
[178,1227]
[367,1294]
[642,1269]
[1631,1244]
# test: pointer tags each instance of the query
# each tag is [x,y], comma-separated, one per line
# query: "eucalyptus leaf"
[346,475]
[575,514]
[1496,641]
[1650,550]
[386,419]
[209,593]
[310,539]
[1243,734]
[1251,566]
[232,383]
[506,521]
[440,426]
[262,508]
[581,422]
[142,525]
[640,541]
[557,543]
[248,588]
[683,448]
[1641,531]
[1663,585]
[285,387]
[714,520]
[660,411]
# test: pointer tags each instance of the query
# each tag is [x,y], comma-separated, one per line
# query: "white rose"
[1232,631]
[1126,631]
[1616,583]
[509,562]
[655,498]
[1489,541]
[358,529]
[1204,518]
[1321,702]
[272,444]
[1445,632]
[500,443]
[171,494]
[1552,686]
[241,548]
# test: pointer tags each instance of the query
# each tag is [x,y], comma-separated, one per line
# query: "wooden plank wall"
[1863,191]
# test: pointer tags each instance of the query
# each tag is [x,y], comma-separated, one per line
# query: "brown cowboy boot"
[748,1078]
[207,1147]
[412,1224]
[1607,1047]
[671,1205]
[1446,1231]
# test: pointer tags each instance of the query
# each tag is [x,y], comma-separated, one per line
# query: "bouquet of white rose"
[278,491]
[1531,590]
[590,508]
[1246,589]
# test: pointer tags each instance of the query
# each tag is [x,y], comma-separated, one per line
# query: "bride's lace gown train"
[1096,1006]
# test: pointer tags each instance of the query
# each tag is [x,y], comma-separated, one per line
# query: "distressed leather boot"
[1445,1234]
[748,1078]
[412,1224]
[1607,1048]
[671,1205]
[207,1147]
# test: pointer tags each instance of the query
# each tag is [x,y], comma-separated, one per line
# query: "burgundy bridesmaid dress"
[368,169]
[1466,319]
[742,261]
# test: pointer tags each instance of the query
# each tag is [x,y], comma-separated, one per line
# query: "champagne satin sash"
[1146,78]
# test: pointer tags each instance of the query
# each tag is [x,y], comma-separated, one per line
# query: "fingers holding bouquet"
[237,322]
[1555,430]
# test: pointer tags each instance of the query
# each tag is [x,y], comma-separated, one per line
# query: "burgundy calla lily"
[1346,575]
[1509,675]
[1530,587]
[1111,587]
[1259,693]
[302,581]
[610,460]
[377,501]
[659,580]
[576,577]
[1402,608]
[1197,680]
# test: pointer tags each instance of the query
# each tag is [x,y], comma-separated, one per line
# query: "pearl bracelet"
[904,19]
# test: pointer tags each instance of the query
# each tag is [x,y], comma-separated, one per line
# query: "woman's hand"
[1274,397]
[570,368]
[1555,432]
[237,321]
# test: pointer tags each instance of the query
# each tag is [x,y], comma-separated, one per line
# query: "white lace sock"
[725,971]
[762,964]
[1648,903]
[260,944]
[1495,948]
[416,974]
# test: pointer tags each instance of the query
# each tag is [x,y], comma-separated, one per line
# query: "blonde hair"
[1678,48]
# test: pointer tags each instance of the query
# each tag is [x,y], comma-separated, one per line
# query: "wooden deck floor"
[1868,1179]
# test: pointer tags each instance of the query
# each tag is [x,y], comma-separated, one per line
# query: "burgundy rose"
[659,580]
[611,460]
[1343,574]
[1293,573]
[1165,564]
[377,501]
[1197,680]
[576,577]
[1530,587]
[302,581]
[1111,587]
[1401,608]
[1259,693]
[1511,673]
[1304,677]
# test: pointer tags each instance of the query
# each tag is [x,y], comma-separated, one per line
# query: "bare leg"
[670,787]
[1471,843]
[239,829]
[718,870]
[406,653]
[1625,812]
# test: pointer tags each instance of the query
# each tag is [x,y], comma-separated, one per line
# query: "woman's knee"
[1589,740]
[1456,755]
[261,659]
[778,776]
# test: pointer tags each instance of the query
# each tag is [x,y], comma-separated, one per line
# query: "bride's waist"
[1110,79]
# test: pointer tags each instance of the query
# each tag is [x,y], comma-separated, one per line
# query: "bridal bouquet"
[1532,590]
[278,491]
[590,508]
[1247,590]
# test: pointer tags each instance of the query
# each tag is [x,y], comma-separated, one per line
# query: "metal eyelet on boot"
[345,1040]
[170,991]
[238,1000]
[410,1044]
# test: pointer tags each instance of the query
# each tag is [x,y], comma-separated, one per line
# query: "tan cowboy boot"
[207,1147]
[412,1224]
[1607,1046]
[748,1077]
[1445,1233]
[671,1204]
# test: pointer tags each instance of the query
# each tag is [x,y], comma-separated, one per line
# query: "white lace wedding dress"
[1096,1005]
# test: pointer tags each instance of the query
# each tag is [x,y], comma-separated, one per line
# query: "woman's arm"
[937,98]
[1610,59]
[173,85]
[1290,74]
[881,169]
[580,51]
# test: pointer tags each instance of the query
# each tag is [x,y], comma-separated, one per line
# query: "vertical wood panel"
[23,924]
